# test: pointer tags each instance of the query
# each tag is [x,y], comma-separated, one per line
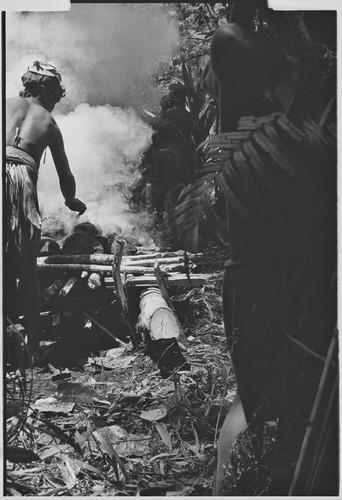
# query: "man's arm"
[66,178]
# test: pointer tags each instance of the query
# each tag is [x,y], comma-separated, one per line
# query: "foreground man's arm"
[66,178]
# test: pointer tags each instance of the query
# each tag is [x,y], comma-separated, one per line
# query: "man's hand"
[76,205]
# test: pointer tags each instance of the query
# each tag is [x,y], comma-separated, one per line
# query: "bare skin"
[37,131]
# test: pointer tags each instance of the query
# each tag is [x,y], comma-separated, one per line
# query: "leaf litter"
[116,427]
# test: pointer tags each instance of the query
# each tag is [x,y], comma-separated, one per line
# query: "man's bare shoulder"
[26,105]
[16,102]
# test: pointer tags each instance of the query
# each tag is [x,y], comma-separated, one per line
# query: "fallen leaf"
[69,471]
[116,352]
[53,405]
[63,375]
[99,490]
[75,392]
[54,450]
[164,434]
[45,439]
[125,444]
[153,415]
[113,363]
[86,466]
[107,448]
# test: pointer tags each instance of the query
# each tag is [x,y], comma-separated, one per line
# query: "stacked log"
[141,265]
[151,271]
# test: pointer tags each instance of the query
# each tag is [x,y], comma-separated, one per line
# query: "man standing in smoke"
[30,129]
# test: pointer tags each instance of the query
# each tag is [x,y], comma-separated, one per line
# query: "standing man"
[30,129]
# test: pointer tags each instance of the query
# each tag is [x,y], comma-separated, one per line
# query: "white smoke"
[104,146]
[106,54]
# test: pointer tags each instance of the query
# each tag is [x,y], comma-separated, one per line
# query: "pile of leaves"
[115,426]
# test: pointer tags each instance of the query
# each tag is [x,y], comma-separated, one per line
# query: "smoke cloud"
[106,54]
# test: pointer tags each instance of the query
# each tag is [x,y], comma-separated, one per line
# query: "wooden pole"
[68,286]
[164,291]
[314,411]
[107,259]
[177,279]
[121,291]
[98,268]
[330,413]
[91,268]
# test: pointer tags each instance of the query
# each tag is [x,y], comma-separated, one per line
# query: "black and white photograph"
[170,244]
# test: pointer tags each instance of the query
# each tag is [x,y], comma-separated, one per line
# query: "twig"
[120,342]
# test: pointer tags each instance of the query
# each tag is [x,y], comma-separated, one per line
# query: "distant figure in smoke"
[30,129]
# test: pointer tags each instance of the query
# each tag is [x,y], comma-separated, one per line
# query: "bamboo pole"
[150,262]
[314,411]
[107,259]
[91,268]
[68,286]
[322,438]
[121,292]
[98,268]
[177,279]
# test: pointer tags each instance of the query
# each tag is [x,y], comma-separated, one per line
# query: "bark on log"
[157,317]
[91,268]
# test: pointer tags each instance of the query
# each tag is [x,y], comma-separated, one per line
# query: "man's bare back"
[30,126]
[37,128]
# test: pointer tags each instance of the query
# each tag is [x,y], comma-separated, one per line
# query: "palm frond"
[257,165]
[264,164]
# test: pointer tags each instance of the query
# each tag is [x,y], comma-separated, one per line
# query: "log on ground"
[157,317]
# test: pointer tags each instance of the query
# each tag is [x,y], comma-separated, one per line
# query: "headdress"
[44,75]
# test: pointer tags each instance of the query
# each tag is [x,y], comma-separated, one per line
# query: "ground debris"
[114,426]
